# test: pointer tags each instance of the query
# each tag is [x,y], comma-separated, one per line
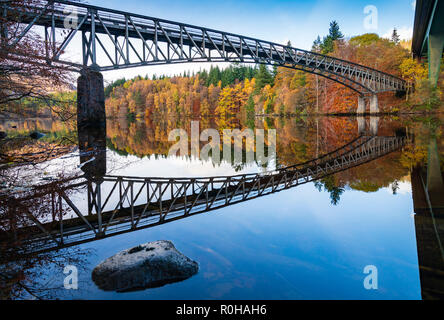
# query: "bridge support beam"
[361,105]
[374,105]
[90,99]
[435,42]
[436,47]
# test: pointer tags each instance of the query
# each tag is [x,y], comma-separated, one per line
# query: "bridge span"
[127,40]
[120,204]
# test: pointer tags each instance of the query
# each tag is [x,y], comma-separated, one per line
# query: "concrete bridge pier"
[361,105]
[436,47]
[90,99]
[374,105]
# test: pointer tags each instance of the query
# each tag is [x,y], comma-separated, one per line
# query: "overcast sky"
[278,20]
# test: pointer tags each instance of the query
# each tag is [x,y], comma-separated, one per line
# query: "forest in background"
[247,91]
[250,90]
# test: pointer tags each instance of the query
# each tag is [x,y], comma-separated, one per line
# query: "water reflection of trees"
[24,274]
[18,148]
[39,276]
[149,138]
[298,140]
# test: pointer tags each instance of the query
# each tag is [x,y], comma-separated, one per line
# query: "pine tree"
[203,76]
[334,34]
[214,76]
[263,77]
[249,107]
[316,47]
[334,31]
[395,37]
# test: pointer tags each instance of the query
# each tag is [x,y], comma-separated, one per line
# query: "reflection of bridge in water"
[119,204]
[428,202]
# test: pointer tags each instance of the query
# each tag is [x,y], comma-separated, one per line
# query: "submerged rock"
[36,135]
[149,265]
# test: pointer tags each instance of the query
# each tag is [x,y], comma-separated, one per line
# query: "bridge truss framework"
[131,40]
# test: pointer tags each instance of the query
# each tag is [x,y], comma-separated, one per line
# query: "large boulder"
[149,265]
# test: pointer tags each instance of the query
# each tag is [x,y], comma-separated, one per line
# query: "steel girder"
[119,204]
[127,40]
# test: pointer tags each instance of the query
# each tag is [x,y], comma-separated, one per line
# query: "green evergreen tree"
[334,31]
[214,76]
[249,107]
[395,36]
[203,76]
[316,47]
[263,77]
[334,34]
[109,88]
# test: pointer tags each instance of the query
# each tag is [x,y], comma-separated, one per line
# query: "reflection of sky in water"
[149,167]
[289,245]
[172,167]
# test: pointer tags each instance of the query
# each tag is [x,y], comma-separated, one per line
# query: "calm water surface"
[311,241]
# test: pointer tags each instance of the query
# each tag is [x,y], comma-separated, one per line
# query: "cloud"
[405,33]
[414,5]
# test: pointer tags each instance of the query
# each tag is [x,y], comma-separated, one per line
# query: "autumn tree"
[23,69]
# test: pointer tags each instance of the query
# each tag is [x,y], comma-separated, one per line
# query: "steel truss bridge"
[127,40]
[118,204]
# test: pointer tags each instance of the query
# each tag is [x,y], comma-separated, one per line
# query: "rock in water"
[149,265]
[36,135]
